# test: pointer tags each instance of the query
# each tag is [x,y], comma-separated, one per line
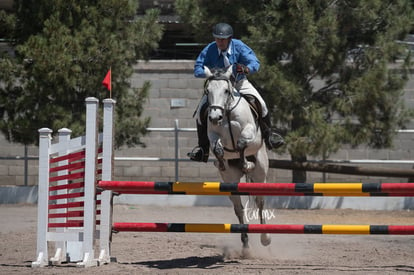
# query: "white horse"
[235,140]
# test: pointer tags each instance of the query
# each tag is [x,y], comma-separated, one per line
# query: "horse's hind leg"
[238,209]
[264,237]
[230,175]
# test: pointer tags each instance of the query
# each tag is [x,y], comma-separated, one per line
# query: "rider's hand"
[242,69]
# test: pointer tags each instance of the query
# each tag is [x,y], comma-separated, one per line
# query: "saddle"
[255,106]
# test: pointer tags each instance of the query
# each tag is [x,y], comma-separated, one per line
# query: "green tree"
[332,72]
[63,50]
[7,23]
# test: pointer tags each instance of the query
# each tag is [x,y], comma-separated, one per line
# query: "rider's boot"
[272,139]
[201,152]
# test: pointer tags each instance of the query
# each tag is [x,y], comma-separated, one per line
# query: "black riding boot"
[272,139]
[201,152]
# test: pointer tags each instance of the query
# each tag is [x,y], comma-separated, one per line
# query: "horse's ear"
[207,72]
[229,71]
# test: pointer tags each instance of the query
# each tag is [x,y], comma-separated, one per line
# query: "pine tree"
[332,72]
[63,51]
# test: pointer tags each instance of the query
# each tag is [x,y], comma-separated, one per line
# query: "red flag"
[107,80]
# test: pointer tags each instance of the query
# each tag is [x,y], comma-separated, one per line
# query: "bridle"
[227,108]
[230,94]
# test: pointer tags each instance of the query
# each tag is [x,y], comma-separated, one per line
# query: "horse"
[235,140]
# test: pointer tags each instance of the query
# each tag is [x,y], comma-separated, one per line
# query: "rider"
[221,53]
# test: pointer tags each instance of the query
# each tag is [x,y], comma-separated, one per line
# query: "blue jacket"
[238,52]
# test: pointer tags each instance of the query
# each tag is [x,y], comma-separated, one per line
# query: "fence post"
[64,250]
[105,228]
[42,199]
[176,148]
[89,220]
[26,166]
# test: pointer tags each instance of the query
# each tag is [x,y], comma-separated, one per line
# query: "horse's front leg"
[246,165]
[218,151]
[264,237]
[247,136]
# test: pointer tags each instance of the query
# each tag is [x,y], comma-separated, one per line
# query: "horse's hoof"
[248,166]
[265,239]
[246,254]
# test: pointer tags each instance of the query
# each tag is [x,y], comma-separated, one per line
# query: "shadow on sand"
[208,262]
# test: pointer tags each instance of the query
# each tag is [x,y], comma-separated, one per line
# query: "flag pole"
[110,82]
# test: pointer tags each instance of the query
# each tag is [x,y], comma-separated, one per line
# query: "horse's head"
[219,91]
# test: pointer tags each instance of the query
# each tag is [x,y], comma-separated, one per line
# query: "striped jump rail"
[263,189]
[266,228]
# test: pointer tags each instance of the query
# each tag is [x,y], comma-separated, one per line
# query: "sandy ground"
[196,253]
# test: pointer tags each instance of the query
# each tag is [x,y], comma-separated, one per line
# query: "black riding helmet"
[222,30]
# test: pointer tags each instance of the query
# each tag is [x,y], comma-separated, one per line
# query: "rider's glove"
[242,69]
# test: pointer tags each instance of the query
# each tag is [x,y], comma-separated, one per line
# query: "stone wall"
[173,97]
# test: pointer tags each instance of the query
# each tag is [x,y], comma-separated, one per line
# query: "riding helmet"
[222,30]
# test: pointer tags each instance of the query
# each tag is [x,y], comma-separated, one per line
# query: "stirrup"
[198,154]
[274,141]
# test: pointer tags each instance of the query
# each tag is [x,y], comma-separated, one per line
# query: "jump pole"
[264,189]
[266,228]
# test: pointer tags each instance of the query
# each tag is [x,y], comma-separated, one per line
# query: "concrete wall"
[173,81]
[12,171]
